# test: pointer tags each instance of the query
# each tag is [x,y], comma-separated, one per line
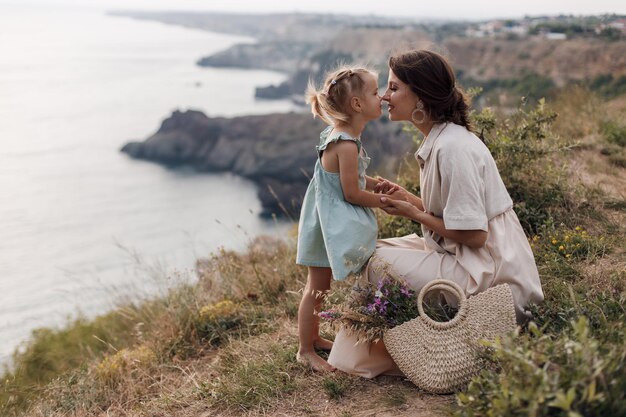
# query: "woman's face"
[400,99]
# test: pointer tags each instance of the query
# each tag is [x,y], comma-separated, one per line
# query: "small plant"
[218,323]
[336,386]
[222,310]
[114,367]
[215,319]
[574,244]
[395,398]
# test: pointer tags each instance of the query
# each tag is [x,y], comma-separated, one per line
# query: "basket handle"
[451,287]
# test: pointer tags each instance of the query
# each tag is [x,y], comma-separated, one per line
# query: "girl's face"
[400,99]
[371,104]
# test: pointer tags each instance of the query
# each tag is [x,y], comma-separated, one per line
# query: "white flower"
[378,294]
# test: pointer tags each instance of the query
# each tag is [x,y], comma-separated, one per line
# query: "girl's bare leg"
[319,342]
[318,283]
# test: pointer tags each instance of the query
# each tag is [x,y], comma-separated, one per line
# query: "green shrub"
[572,374]
[215,320]
[525,148]
[218,322]
[529,85]
[53,352]
[565,302]
[609,86]
[614,133]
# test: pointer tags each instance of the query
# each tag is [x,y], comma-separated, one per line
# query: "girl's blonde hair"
[330,103]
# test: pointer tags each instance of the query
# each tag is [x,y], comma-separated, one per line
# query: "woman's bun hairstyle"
[431,78]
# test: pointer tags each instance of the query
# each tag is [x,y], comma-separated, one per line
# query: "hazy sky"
[454,9]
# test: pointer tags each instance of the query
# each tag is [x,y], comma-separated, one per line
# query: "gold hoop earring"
[419,108]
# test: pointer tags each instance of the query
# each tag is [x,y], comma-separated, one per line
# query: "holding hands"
[400,207]
[397,200]
[384,186]
[391,190]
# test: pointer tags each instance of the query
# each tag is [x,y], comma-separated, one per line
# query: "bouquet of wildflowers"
[370,310]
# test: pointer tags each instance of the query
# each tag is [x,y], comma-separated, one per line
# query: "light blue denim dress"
[332,232]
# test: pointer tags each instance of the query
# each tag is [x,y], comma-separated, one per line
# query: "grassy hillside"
[225,345]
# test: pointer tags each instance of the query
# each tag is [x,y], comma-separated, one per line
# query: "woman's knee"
[377,268]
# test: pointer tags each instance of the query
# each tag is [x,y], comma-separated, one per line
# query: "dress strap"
[326,138]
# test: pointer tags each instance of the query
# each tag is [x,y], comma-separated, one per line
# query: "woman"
[472,236]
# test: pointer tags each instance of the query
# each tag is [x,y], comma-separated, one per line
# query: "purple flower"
[382,309]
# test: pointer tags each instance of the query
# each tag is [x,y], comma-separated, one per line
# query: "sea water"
[80,222]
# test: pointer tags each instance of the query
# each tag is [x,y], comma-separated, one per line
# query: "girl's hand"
[400,208]
[385,186]
[399,194]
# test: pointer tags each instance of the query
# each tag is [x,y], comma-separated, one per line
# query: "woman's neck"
[425,127]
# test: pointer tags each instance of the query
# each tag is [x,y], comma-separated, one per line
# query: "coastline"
[276,151]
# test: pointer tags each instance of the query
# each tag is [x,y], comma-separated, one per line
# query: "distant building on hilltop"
[619,24]
[554,36]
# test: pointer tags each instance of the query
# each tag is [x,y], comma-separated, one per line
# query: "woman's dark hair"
[431,78]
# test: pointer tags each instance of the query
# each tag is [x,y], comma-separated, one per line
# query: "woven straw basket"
[440,357]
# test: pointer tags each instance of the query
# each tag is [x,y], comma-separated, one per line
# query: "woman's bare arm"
[471,238]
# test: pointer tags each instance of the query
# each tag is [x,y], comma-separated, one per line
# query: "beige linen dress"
[459,183]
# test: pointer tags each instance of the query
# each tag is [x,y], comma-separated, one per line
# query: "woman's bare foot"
[323,344]
[313,361]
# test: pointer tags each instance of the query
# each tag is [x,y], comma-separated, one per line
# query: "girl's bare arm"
[348,158]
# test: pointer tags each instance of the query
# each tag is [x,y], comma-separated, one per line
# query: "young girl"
[337,230]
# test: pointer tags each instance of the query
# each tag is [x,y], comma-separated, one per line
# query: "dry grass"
[248,376]
[251,371]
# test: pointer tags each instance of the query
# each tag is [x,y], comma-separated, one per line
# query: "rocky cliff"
[277,151]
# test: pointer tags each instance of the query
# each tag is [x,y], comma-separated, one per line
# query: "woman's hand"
[396,192]
[400,208]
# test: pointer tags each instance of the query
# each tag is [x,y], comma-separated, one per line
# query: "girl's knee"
[319,279]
